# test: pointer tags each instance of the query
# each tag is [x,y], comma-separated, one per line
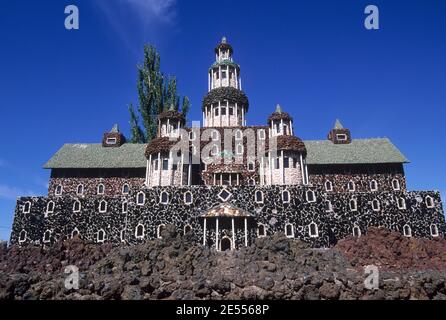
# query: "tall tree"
[135,129]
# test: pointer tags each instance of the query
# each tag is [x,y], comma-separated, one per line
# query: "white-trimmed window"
[328,185]
[351,186]
[27,207]
[139,231]
[353,204]
[164,197]
[140,198]
[122,235]
[192,136]
[125,189]
[313,230]
[252,182]
[429,202]
[22,236]
[155,165]
[261,134]
[434,230]
[101,236]
[103,206]
[50,207]
[261,230]
[188,197]
[238,135]
[159,230]
[373,185]
[111,141]
[396,184]
[310,195]
[401,203]
[328,206]
[74,233]
[47,236]
[215,134]
[101,189]
[80,190]
[356,231]
[286,196]
[77,206]
[239,149]
[187,229]
[407,231]
[251,166]
[341,137]
[258,196]
[125,207]
[289,230]
[376,206]
[58,191]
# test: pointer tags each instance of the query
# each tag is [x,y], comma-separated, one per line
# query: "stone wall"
[273,213]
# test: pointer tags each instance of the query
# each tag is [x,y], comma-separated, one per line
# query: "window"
[289,230]
[122,235]
[328,206]
[159,230]
[251,166]
[277,127]
[27,207]
[240,149]
[77,206]
[341,137]
[155,165]
[286,196]
[328,185]
[80,190]
[238,135]
[50,207]
[101,189]
[216,112]
[22,236]
[187,229]
[231,111]
[376,205]
[311,197]
[101,236]
[353,204]
[74,233]
[192,136]
[58,191]
[164,197]
[373,185]
[223,111]
[47,236]
[111,141]
[223,74]
[125,189]
[351,186]
[125,207]
[165,164]
[295,161]
[262,134]
[188,197]
[277,163]
[259,197]
[401,203]
[313,230]
[434,230]
[261,231]
[429,202]
[286,162]
[356,231]
[141,199]
[407,231]
[252,182]
[395,184]
[139,232]
[103,206]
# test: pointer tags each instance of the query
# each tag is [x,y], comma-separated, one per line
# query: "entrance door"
[225,244]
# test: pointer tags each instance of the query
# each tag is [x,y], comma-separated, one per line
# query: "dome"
[279,115]
[159,145]
[290,143]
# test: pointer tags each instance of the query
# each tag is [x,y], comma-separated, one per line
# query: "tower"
[225,104]
[170,122]
[281,123]
[339,134]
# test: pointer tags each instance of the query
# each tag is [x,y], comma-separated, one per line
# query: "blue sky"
[315,58]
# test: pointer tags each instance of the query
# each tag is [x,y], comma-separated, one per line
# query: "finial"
[115,129]
[171,107]
[224,40]
[338,124]
[278,108]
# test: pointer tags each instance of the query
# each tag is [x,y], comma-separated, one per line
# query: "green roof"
[359,151]
[128,155]
[224,63]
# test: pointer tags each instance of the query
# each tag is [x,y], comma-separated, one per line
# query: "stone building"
[227,183]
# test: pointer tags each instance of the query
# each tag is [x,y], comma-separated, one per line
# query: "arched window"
[434,230]
[125,207]
[252,182]
[238,135]
[22,236]
[101,189]
[240,149]
[289,230]
[47,236]
[262,134]
[103,206]
[429,202]
[401,204]
[251,166]
[27,207]
[376,205]
[395,184]
[101,236]
[192,136]
[141,199]
[407,231]
[187,229]
[286,196]
[74,233]
[353,204]
[58,190]
[122,235]
[125,189]
[159,230]
[50,207]
[80,190]
[259,196]
[188,198]
[313,230]
[351,186]
[328,185]
[164,197]
[328,206]
[373,185]
[215,134]
[77,206]
[261,231]
[311,197]
[356,231]
[139,232]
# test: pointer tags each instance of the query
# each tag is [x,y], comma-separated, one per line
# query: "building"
[227,183]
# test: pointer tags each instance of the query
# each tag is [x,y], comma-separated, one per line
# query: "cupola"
[339,134]
[281,123]
[114,138]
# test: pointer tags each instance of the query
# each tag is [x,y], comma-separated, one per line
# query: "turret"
[113,139]
[170,122]
[339,134]
[281,123]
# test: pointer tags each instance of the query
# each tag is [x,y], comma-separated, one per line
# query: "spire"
[338,125]
[224,40]
[115,129]
[171,107]
[278,108]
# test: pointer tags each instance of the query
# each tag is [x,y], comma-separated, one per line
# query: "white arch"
[187,226]
[401,203]
[328,185]
[353,204]
[328,206]
[158,230]
[138,234]
[373,185]
[351,186]
[59,190]
[261,234]
[50,207]
[26,207]
[231,245]
[287,198]
[80,189]
[101,189]
[125,206]
[396,184]
[356,231]
[166,200]
[434,230]
[185,197]
[22,236]
[258,196]
[429,202]
[75,232]
[101,236]
[407,231]
[288,234]
[310,196]
[315,232]
[125,189]
[141,198]
[103,206]
[47,236]
[77,206]
[376,205]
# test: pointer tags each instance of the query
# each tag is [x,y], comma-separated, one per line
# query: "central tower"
[225,104]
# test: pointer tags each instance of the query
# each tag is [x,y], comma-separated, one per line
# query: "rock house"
[226,183]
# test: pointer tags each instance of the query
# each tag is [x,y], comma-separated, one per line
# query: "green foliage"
[135,129]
